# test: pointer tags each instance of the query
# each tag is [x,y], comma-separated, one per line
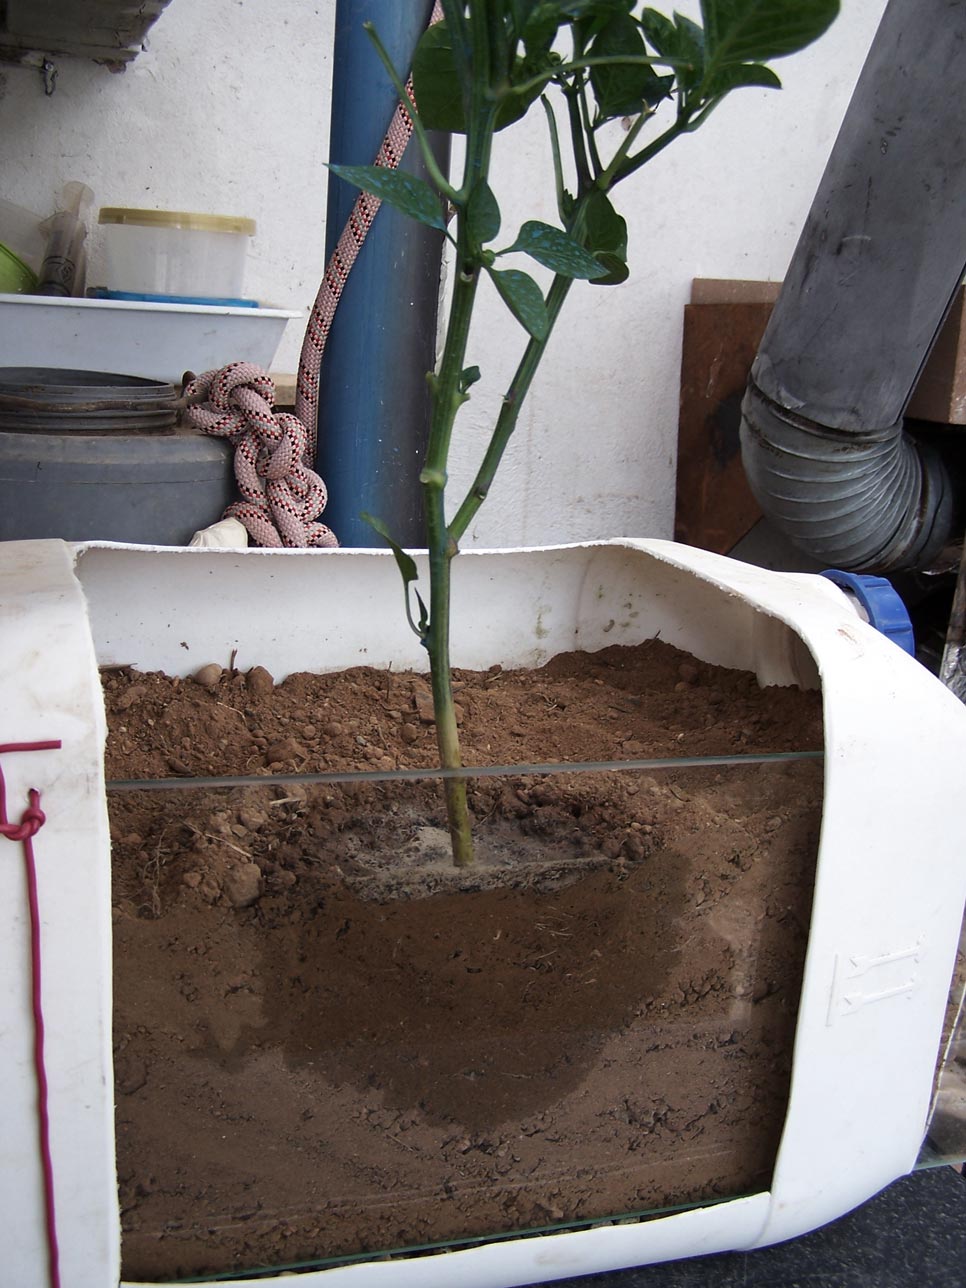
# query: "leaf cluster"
[489,61]
[586,62]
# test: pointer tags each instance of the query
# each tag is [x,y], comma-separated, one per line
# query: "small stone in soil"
[285,749]
[242,885]
[129,697]
[260,682]
[423,702]
[208,676]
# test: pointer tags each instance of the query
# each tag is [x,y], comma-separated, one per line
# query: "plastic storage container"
[158,341]
[64,270]
[171,252]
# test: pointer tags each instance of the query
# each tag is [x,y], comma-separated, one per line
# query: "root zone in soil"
[329,1044]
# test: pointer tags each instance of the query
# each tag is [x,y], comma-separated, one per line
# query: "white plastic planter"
[890,882]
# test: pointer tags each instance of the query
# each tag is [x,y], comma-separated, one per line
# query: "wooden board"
[715,506]
[723,327]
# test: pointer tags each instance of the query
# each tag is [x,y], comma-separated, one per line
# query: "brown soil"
[313,1062]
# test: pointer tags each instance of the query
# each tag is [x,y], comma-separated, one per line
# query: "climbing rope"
[274,451]
[31,821]
[282,495]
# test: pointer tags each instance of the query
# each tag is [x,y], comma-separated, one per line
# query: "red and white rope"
[274,451]
[282,496]
[31,821]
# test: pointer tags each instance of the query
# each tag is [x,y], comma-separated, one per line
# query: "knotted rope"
[281,506]
[282,495]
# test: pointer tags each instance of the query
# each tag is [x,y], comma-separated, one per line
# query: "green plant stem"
[578,64]
[555,153]
[443,539]
[625,147]
[419,129]
[497,33]
[509,414]
[448,396]
[622,165]
[519,387]
[455,18]
[437,643]
[447,399]
[584,177]
[589,130]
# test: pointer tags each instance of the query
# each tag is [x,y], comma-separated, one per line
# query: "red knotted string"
[31,821]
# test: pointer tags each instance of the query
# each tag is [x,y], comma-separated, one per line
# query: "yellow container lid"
[177,219]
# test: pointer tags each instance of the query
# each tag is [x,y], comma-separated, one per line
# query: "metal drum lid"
[52,400]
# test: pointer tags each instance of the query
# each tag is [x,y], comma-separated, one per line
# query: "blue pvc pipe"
[373,397]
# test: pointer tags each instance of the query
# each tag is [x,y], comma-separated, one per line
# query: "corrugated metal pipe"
[876,268]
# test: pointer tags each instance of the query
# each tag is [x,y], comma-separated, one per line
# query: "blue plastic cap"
[885,610]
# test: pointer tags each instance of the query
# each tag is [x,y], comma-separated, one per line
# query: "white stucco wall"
[227,111]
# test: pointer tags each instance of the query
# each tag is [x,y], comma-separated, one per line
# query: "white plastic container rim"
[137,337]
[180,219]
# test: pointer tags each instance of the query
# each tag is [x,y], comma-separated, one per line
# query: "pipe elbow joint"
[871,501]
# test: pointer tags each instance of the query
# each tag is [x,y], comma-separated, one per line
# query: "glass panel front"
[330,1043]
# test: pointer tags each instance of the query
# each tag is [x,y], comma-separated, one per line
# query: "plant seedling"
[585,62]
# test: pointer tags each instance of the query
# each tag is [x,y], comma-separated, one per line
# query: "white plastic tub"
[889,890]
[175,252]
[158,341]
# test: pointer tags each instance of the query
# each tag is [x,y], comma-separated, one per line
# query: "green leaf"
[681,40]
[407,568]
[605,228]
[589,17]
[617,270]
[524,299]
[690,51]
[469,376]
[414,197]
[541,26]
[624,88]
[556,250]
[407,564]
[606,237]
[439,94]
[751,31]
[521,11]
[422,625]
[660,32]
[515,103]
[482,214]
[739,76]
[436,86]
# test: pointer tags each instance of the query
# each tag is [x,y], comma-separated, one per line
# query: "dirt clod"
[242,885]
[259,682]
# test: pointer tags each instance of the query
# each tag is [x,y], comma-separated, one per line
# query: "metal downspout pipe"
[877,265]
[373,396]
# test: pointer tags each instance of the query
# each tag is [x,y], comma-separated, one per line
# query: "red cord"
[31,821]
